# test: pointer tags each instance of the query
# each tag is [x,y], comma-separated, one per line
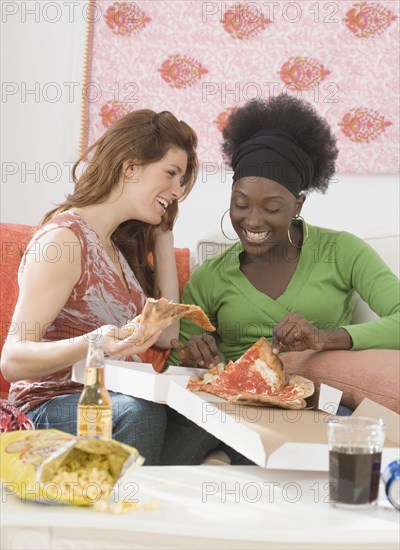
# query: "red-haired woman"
[87,268]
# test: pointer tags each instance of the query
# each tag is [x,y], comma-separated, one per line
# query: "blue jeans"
[344,411]
[161,435]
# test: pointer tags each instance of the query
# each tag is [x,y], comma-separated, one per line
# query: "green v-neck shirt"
[332,267]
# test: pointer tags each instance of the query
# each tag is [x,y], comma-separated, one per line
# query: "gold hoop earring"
[222,227]
[305,226]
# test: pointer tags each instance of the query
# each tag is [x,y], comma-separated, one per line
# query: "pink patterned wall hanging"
[202,59]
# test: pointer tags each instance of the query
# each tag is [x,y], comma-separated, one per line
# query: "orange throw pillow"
[14,238]
[158,357]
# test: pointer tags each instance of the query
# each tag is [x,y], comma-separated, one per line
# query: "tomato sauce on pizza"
[256,378]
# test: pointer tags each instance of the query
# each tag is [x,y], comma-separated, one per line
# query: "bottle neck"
[95,363]
[94,376]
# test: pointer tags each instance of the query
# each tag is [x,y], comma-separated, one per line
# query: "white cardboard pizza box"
[139,379]
[270,437]
[277,438]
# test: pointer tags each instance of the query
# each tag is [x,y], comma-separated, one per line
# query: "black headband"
[274,155]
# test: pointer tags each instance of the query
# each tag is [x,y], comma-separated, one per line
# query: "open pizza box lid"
[139,379]
[271,437]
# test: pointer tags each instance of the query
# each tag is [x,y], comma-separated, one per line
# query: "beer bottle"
[95,405]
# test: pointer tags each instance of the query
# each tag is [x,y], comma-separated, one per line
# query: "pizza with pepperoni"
[256,378]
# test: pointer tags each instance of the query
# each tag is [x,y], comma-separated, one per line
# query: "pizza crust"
[255,379]
[160,314]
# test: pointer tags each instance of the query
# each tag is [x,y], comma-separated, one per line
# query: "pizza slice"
[291,396]
[258,371]
[160,314]
[256,378]
[197,383]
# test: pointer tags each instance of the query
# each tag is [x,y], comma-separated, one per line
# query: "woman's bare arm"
[50,274]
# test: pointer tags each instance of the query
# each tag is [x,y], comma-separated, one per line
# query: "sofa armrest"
[14,239]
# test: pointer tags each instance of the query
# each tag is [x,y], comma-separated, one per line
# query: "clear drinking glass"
[355,452]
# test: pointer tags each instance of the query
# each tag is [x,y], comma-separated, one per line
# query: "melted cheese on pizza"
[255,378]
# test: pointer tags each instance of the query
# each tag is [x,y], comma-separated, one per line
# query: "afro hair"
[293,116]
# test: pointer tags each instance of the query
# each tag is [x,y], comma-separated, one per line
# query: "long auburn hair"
[145,137]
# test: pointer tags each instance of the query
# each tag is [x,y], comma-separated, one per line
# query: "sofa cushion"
[368,373]
[158,357]
[14,239]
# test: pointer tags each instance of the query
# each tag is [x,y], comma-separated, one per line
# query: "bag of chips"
[53,467]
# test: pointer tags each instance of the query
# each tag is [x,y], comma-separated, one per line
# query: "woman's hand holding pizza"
[121,343]
[200,351]
[294,333]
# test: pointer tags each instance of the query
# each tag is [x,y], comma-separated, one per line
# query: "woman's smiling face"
[261,211]
[152,188]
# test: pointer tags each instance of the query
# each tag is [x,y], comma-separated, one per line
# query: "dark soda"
[354,476]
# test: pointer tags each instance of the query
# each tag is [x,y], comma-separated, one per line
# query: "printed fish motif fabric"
[367,20]
[363,125]
[201,60]
[112,111]
[180,71]
[243,21]
[302,73]
[222,118]
[125,18]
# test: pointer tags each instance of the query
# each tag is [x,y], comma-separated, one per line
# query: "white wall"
[40,131]
[367,206]
[43,50]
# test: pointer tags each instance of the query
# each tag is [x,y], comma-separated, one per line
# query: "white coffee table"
[206,507]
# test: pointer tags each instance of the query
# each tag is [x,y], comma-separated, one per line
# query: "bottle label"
[94,421]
